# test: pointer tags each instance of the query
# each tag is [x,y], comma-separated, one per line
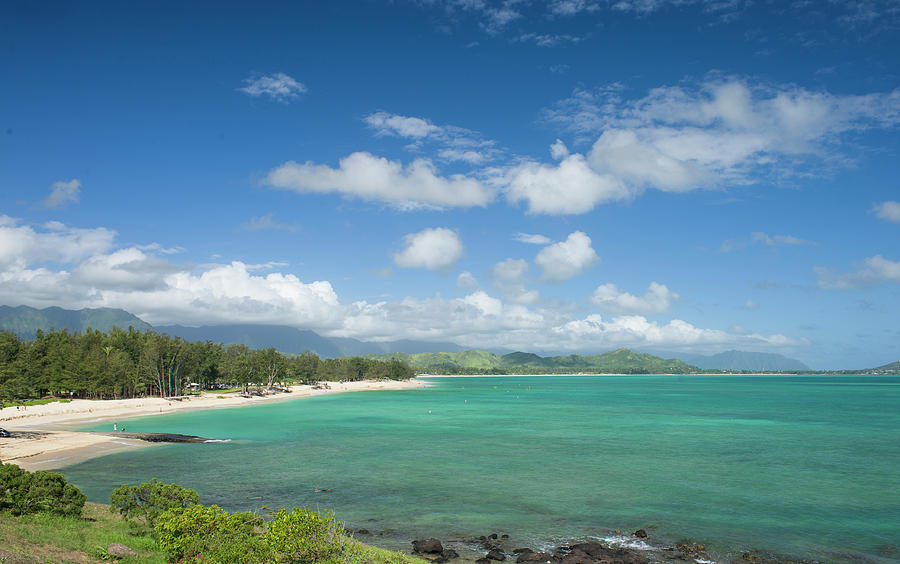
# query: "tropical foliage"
[23,492]
[132,363]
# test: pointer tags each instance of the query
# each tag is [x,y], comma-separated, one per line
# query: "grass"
[44,537]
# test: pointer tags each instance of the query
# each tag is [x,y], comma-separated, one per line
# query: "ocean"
[796,466]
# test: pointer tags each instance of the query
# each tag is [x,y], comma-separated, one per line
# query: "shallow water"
[806,466]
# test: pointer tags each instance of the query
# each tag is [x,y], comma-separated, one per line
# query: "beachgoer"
[115,428]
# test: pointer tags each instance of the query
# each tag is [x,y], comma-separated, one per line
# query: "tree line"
[130,363]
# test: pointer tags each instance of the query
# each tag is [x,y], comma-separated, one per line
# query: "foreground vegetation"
[125,364]
[157,522]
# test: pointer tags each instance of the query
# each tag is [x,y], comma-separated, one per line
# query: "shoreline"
[43,436]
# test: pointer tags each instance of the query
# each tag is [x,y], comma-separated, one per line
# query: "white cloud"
[143,281]
[532,239]
[779,240]
[63,194]
[23,245]
[267,222]
[454,143]
[888,211]
[717,133]
[509,276]
[571,187]
[434,249]
[558,150]
[566,259]
[278,86]
[386,123]
[548,39]
[751,305]
[657,299]
[366,176]
[466,281]
[875,270]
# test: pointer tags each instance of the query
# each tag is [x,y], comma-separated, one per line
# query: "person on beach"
[115,428]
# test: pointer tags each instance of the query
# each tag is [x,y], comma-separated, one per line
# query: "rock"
[449,553]
[493,536]
[483,560]
[599,552]
[119,550]
[522,550]
[362,531]
[641,534]
[427,546]
[536,557]
[577,557]
[504,536]
[495,554]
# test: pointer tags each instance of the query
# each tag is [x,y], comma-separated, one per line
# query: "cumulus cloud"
[74,268]
[532,239]
[571,187]
[363,175]
[888,211]
[433,249]
[466,281]
[721,132]
[566,259]
[509,276]
[875,270]
[63,194]
[657,299]
[277,86]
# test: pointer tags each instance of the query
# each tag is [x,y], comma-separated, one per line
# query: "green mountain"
[24,320]
[482,362]
[892,368]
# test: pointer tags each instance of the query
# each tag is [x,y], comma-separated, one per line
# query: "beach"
[43,437]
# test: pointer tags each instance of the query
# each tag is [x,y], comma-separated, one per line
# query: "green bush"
[150,499]
[306,536]
[24,492]
[210,534]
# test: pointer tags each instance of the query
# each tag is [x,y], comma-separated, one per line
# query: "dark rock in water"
[598,552]
[641,534]
[482,538]
[536,557]
[427,546]
[504,536]
[119,550]
[495,554]
[362,531]
[449,553]
[493,536]
[483,560]
[522,550]
[163,437]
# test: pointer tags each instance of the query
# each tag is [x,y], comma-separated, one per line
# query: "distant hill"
[475,361]
[24,320]
[741,360]
[892,368]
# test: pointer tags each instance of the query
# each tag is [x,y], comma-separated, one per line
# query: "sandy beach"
[43,439]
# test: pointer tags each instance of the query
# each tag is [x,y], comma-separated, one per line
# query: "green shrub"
[150,499]
[306,536]
[24,492]
[210,534]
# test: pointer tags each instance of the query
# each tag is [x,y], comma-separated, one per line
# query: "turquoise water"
[805,466]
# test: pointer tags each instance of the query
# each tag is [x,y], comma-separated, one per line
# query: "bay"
[801,466]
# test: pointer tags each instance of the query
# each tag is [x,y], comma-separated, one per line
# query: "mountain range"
[24,321]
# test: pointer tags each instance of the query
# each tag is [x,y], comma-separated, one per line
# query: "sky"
[562,176]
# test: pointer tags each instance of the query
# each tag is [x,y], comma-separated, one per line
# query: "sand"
[43,439]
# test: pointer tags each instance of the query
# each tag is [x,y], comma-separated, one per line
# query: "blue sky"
[563,176]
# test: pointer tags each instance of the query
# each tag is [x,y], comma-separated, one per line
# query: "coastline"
[43,439]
